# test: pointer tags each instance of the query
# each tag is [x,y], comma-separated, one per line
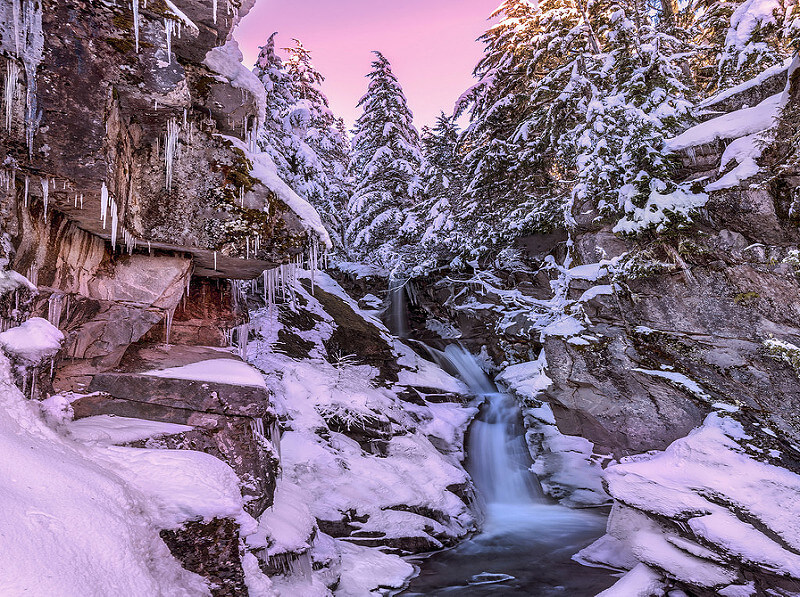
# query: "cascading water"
[526,544]
[398,320]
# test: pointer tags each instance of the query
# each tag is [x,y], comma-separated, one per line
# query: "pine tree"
[533,91]
[431,224]
[318,146]
[302,135]
[758,36]
[270,71]
[639,96]
[386,163]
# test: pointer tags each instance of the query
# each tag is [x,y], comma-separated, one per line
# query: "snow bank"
[70,526]
[354,453]
[735,511]
[227,371]
[179,485]
[33,341]
[266,171]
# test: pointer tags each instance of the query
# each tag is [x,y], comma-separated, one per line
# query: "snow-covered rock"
[703,512]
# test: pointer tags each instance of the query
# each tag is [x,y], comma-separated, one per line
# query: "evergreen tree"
[431,222]
[277,83]
[302,135]
[533,89]
[318,146]
[386,163]
[758,36]
[638,98]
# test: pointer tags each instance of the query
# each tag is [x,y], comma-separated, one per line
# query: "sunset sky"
[430,43]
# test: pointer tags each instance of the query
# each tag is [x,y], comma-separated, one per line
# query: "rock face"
[131,201]
[147,125]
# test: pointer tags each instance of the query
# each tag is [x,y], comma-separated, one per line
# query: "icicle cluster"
[57,304]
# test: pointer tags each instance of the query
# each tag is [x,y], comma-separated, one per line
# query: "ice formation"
[170,148]
[10,90]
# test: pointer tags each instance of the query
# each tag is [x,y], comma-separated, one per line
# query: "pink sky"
[430,43]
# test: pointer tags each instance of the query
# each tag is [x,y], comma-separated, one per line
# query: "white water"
[398,319]
[527,541]
[499,461]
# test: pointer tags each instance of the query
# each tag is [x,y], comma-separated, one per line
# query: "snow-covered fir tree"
[639,96]
[431,223]
[307,142]
[759,35]
[387,164]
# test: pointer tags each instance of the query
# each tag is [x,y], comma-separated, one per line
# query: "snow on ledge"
[265,170]
[226,371]
[746,121]
[227,61]
[109,429]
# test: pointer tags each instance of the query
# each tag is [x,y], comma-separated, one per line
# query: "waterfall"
[526,543]
[499,461]
[398,320]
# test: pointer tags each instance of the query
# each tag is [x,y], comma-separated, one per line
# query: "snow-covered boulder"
[705,514]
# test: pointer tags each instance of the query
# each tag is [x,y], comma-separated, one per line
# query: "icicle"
[54,304]
[274,437]
[15,9]
[81,200]
[240,338]
[247,254]
[31,53]
[12,82]
[214,8]
[149,248]
[241,196]
[103,204]
[27,187]
[215,261]
[45,195]
[169,29]
[114,224]
[168,315]
[135,5]
[170,145]
[76,200]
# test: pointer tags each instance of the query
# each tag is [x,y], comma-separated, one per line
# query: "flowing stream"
[527,541]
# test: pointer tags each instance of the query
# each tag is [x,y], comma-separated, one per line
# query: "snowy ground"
[81,520]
